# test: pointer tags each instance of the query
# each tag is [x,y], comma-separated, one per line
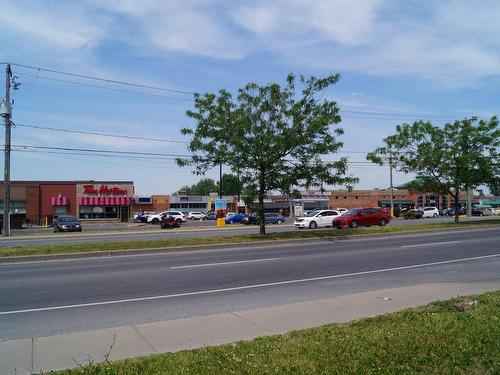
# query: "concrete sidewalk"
[33,355]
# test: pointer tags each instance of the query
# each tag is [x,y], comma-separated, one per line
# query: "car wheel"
[155,221]
[435,215]
[354,224]
[382,223]
[55,230]
[178,221]
[313,225]
[278,221]
[231,222]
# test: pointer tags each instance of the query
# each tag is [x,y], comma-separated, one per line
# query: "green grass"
[433,339]
[217,240]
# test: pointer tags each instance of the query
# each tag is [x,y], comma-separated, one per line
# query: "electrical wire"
[99,151]
[35,77]
[99,134]
[102,79]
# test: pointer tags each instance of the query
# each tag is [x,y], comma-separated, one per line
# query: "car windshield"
[351,212]
[312,213]
[66,219]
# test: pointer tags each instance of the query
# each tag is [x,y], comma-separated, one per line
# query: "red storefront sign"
[104,190]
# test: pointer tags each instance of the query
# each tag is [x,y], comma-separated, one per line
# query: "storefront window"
[15,207]
[60,210]
[98,212]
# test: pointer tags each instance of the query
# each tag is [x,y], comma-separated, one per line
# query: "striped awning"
[59,200]
[104,201]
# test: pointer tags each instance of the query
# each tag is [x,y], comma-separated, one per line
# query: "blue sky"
[399,60]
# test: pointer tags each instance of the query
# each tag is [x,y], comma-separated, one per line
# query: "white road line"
[224,263]
[432,244]
[254,286]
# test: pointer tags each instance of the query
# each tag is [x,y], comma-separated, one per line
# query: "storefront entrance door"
[124,214]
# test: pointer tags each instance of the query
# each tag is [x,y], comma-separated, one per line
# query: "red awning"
[104,201]
[60,200]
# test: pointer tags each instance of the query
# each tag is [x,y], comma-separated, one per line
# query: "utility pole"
[392,186]
[6,113]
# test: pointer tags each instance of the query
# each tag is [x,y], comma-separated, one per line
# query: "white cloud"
[59,25]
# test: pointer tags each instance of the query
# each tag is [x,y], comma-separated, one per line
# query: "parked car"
[272,218]
[180,217]
[235,218]
[251,219]
[453,211]
[169,222]
[495,211]
[211,216]
[157,218]
[66,223]
[341,210]
[315,219]
[362,217]
[413,214]
[481,211]
[196,215]
[430,212]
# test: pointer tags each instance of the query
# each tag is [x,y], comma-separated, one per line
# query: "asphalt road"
[121,233]
[51,297]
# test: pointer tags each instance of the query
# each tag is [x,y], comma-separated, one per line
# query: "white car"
[315,219]
[196,215]
[156,219]
[430,212]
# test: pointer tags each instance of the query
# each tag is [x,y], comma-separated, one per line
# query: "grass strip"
[217,240]
[458,336]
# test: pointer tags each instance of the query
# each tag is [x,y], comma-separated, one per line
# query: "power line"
[103,87]
[99,134]
[99,151]
[58,155]
[102,79]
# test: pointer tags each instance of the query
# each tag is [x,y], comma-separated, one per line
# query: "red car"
[356,217]
[169,222]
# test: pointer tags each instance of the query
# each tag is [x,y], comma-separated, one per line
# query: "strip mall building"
[37,201]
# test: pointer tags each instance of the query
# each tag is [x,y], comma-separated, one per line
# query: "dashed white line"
[431,244]
[244,287]
[224,263]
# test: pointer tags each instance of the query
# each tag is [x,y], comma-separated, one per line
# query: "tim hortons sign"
[104,190]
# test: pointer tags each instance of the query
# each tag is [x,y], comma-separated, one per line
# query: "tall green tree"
[231,184]
[458,156]
[203,187]
[270,131]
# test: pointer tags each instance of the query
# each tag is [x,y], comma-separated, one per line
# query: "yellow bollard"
[46,222]
[221,222]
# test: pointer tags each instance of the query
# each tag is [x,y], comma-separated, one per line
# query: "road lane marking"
[224,263]
[244,287]
[432,244]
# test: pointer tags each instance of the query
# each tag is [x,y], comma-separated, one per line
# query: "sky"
[400,61]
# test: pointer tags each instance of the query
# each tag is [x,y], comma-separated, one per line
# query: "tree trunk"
[290,203]
[262,218]
[456,196]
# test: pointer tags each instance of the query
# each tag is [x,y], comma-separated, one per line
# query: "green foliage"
[275,136]
[458,156]
[203,187]
[231,184]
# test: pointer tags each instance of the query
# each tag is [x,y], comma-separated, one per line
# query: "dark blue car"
[272,218]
